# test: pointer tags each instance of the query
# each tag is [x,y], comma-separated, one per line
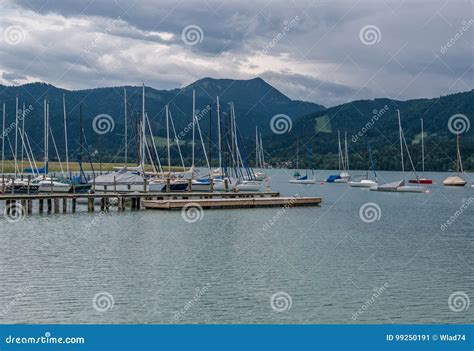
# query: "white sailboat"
[401,186]
[366,182]
[344,177]
[456,180]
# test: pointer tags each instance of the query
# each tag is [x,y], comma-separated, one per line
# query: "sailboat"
[401,186]
[344,176]
[297,177]
[422,180]
[456,180]
[366,182]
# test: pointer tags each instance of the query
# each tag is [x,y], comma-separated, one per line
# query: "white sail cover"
[122,176]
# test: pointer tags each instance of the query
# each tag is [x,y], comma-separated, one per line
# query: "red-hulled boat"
[420,181]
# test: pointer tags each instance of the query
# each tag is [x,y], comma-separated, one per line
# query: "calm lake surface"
[325,264]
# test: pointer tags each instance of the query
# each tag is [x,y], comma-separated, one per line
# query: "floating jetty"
[66,202]
[240,202]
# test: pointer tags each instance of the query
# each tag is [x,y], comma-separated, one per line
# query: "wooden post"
[41,203]
[28,189]
[102,204]
[8,206]
[226,184]
[23,204]
[13,186]
[212,184]
[144,185]
[50,205]
[190,185]
[74,202]
[51,190]
[168,185]
[115,185]
[56,205]
[138,203]
[3,183]
[64,204]
[30,206]
[90,204]
[121,203]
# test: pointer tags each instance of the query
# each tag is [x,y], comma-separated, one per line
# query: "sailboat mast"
[143,130]
[22,131]
[346,151]
[168,139]
[257,156]
[340,149]
[422,149]
[210,137]
[65,134]
[262,154]
[297,154]
[194,122]
[126,123]
[458,155]
[401,142]
[3,137]
[16,136]
[219,134]
[45,137]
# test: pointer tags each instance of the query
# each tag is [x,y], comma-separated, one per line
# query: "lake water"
[298,265]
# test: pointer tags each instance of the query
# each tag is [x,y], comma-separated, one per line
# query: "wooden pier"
[54,203]
[241,202]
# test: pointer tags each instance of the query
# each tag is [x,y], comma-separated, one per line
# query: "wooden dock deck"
[66,202]
[220,203]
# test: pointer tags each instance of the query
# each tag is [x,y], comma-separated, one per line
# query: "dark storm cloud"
[309,50]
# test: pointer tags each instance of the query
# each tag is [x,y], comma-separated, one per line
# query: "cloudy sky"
[328,52]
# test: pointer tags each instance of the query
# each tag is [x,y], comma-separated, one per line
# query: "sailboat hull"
[303,181]
[420,181]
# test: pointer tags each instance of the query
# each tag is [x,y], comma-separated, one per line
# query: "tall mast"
[346,151]
[65,134]
[401,143]
[45,137]
[3,137]
[194,122]
[168,139]
[126,124]
[81,136]
[256,148]
[210,137]
[339,150]
[16,136]
[22,132]
[297,153]
[422,149]
[143,130]
[458,155]
[219,134]
[262,154]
